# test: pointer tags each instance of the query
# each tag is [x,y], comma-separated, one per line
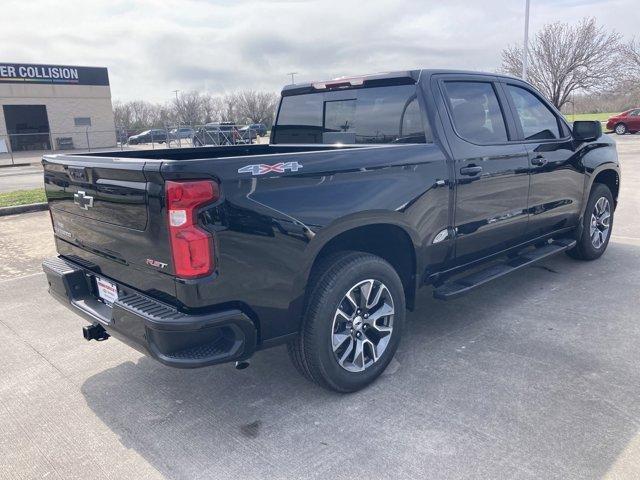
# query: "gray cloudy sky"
[152,47]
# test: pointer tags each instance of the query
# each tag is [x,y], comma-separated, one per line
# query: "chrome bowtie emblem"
[83,200]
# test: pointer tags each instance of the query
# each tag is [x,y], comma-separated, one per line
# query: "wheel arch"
[610,178]
[389,239]
[607,174]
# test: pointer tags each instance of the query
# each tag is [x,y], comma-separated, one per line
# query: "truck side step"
[462,285]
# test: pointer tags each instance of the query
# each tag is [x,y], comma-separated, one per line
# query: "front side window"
[538,122]
[476,112]
[366,115]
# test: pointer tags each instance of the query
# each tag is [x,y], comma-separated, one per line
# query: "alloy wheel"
[362,325]
[600,222]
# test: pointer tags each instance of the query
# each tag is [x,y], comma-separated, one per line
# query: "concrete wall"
[64,103]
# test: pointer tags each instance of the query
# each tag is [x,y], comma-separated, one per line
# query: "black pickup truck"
[370,188]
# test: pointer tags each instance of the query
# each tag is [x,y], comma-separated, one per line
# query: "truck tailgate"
[104,192]
[107,214]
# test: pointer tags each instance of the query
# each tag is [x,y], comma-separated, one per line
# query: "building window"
[82,121]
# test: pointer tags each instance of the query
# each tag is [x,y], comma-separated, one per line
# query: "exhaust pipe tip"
[94,332]
[242,365]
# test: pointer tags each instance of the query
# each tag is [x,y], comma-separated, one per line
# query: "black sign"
[58,74]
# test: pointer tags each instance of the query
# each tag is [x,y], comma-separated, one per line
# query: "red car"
[625,122]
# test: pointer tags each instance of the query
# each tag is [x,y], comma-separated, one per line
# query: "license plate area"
[107,291]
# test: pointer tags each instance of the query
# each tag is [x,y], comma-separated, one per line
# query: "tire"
[587,248]
[326,350]
[620,129]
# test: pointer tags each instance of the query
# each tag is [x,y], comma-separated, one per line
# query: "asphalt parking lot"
[534,376]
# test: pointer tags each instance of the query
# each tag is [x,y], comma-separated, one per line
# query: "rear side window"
[476,112]
[366,115]
[538,122]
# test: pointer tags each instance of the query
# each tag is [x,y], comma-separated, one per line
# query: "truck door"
[491,170]
[557,178]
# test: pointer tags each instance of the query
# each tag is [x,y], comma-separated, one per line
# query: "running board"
[453,289]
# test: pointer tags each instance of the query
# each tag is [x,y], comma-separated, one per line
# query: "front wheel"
[597,223]
[353,322]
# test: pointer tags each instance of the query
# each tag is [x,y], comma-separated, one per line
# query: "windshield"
[366,115]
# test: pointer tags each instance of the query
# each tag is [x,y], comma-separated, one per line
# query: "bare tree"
[212,108]
[122,114]
[193,108]
[189,108]
[565,59]
[632,55]
[143,114]
[165,114]
[256,107]
[230,108]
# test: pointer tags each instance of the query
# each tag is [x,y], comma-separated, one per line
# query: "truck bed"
[201,153]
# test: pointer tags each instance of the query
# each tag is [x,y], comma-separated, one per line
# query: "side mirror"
[587,130]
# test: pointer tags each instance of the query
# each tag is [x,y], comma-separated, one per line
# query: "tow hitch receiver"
[95,332]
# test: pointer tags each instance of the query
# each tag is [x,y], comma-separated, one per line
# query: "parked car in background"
[248,134]
[625,122]
[181,133]
[149,136]
[223,133]
[259,128]
[123,134]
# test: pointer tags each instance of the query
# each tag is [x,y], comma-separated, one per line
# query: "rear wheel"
[353,322]
[597,223]
[620,129]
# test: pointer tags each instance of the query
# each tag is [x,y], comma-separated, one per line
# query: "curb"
[23,164]
[16,209]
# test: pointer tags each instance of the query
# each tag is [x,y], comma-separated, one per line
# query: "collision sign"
[58,74]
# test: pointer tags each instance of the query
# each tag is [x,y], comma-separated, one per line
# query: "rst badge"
[261,169]
[155,263]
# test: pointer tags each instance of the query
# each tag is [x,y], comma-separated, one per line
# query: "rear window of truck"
[365,116]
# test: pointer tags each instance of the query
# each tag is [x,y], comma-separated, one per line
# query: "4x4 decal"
[261,168]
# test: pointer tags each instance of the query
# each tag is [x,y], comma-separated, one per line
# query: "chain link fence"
[17,147]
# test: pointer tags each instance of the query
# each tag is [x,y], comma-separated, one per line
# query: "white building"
[55,107]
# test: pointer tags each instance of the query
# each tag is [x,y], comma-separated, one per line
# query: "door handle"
[471,170]
[539,160]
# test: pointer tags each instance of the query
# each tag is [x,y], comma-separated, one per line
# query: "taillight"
[191,246]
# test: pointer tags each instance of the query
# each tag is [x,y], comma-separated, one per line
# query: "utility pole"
[292,78]
[176,93]
[525,45]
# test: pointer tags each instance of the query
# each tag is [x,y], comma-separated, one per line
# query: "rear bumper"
[172,337]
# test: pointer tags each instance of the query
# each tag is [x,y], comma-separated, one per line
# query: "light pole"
[292,74]
[525,46]
[177,113]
